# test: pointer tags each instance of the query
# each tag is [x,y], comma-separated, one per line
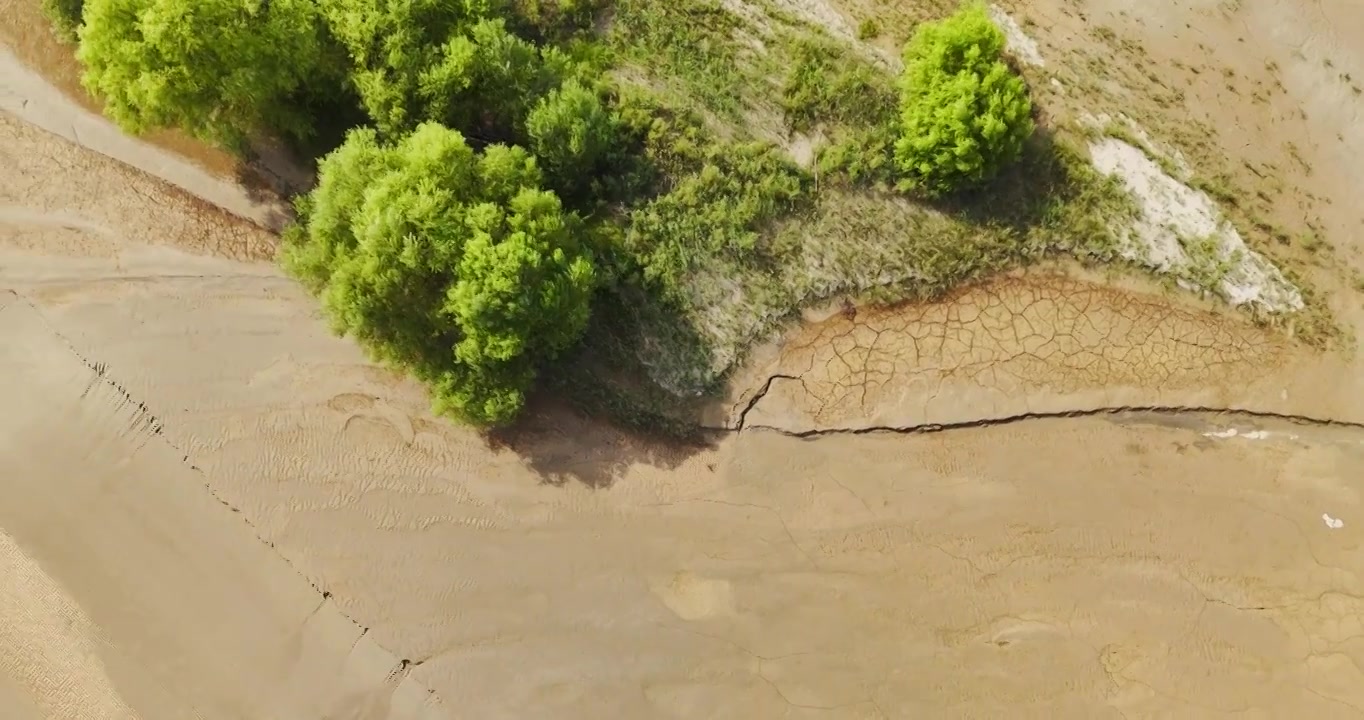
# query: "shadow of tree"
[1024,192]
[598,413]
[562,444]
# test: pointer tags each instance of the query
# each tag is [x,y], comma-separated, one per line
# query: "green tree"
[390,43]
[451,62]
[220,69]
[65,16]
[447,262]
[963,113]
[572,133]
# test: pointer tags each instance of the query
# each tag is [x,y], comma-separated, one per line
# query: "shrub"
[446,262]
[219,69]
[964,113]
[571,132]
[437,61]
[65,16]
[547,20]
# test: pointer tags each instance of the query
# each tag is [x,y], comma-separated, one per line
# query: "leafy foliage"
[964,112]
[571,133]
[454,63]
[219,69]
[447,262]
[65,16]
[548,20]
[715,202]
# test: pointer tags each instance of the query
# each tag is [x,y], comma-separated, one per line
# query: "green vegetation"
[446,262]
[964,113]
[573,134]
[65,16]
[868,29]
[688,46]
[824,85]
[507,193]
[220,69]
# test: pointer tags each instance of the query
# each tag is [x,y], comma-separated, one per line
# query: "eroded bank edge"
[1194,411]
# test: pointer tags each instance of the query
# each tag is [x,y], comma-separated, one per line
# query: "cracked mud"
[211,507]
[1017,339]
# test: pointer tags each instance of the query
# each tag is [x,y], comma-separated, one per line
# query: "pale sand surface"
[1059,568]
[130,591]
[1123,566]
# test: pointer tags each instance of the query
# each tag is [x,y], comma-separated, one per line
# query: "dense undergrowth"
[618,197]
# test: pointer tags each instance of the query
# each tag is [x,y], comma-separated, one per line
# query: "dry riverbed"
[210,507]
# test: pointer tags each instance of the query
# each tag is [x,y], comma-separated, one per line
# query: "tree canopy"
[65,16]
[219,69]
[964,113]
[455,63]
[572,133]
[448,262]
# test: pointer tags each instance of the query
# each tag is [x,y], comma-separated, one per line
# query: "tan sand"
[1115,566]
[130,592]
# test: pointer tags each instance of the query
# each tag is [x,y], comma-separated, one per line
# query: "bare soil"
[212,507]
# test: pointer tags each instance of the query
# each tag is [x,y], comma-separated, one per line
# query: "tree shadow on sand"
[598,413]
[563,444]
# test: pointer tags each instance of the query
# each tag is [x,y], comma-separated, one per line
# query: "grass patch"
[826,85]
[692,44]
[738,239]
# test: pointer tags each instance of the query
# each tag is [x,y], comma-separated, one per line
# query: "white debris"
[1247,434]
[1333,523]
[1181,232]
[1016,41]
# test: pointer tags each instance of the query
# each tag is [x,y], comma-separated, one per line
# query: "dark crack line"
[757,397]
[928,428]
[145,420]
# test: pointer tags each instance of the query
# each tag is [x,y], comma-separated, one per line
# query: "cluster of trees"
[436,236]
[449,262]
[465,221]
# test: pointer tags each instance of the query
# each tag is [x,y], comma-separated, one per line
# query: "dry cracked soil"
[1049,496]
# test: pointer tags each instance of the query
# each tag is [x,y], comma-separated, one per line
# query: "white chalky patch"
[1023,47]
[1173,215]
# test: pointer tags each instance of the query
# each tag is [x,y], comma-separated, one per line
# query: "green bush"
[65,16]
[455,63]
[571,133]
[964,113]
[219,69]
[446,262]
[548,20]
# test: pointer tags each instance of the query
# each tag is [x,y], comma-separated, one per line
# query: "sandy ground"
[129,591]
[215,509]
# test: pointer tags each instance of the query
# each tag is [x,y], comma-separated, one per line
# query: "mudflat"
[211,507]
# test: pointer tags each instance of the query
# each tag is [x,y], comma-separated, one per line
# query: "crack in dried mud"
[146,420]
[928,428]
